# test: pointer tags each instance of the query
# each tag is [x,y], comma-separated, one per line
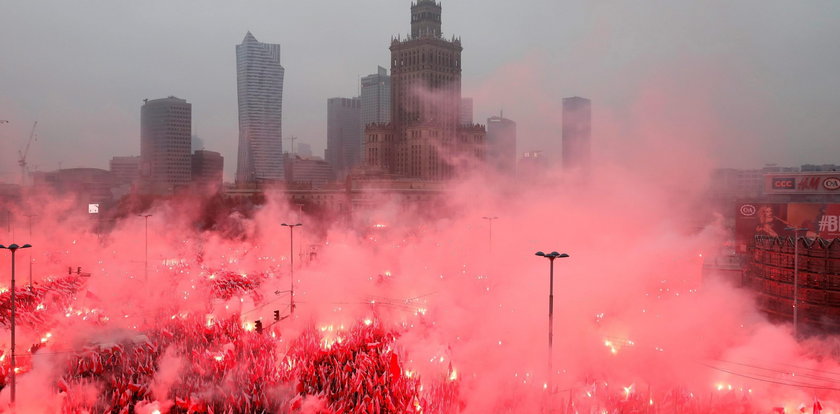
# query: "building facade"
[343,140]
[465,111]
[770,275]
[125,170]
[376,101]
[208,169]
[259,85]
[165,158]
[577,130]
[501,145]
[425,139]
[308,172]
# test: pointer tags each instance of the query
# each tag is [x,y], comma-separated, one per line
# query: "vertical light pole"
[292,265]
[551,256]
[13,248]
[146,261]
[795,231]
[29,216]
[490,231]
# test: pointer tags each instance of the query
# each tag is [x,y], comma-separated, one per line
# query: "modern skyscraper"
[501,144]
[376,101]
[425,138]
[165,139]
[343,140]
[465,112]
[259,85]
[577,120]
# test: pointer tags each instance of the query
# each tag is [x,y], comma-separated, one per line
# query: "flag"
[817,406]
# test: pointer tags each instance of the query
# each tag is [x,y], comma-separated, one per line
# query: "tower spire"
[425,19]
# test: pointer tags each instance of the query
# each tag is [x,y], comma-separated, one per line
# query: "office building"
[303,149]
[125,170]
[501,145]
[259,85]
[165,158]
[309,172]
[376,101]
[343,139]
[577,121]
[207,169]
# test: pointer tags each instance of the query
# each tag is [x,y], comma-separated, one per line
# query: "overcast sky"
[757,80]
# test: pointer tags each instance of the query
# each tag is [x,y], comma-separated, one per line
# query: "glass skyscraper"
[259,81]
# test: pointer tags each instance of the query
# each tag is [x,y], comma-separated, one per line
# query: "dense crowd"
[196,363]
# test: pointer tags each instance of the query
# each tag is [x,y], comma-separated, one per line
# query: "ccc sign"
[784,183]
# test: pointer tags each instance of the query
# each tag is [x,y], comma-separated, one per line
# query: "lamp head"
[14,246]
[540,254]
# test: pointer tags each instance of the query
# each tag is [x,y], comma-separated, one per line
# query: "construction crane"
[22,155]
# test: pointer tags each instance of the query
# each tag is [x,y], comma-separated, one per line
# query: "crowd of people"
[192,363]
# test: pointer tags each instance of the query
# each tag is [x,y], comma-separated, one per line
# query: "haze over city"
[420,206]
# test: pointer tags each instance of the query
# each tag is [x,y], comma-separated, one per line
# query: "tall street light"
[29,216]
[551,256]
[292,265]
[146,265]
[490,231]
[13,248]
[795,231]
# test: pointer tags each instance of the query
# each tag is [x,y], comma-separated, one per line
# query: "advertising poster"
[773,219]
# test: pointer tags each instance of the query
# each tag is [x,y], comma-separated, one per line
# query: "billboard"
[771,219]
[802,183]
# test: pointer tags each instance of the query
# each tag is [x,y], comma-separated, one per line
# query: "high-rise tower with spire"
[425,138]
[259,86]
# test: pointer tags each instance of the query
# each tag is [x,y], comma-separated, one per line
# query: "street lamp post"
[29,216]
[490,231]
[13,248]
[795,231]
[551,256]
[146,261]
[292,265]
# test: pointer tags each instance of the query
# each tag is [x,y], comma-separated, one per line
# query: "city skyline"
[678,158]
[758,82]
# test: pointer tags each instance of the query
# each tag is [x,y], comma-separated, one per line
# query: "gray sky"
[755,80]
